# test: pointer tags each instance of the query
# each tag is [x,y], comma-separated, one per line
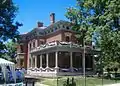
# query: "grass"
[90,81]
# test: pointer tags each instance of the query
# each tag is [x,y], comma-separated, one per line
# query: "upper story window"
[33,44]
[21,49]
[67,39]
[30,46]
[41,42]
[38,43]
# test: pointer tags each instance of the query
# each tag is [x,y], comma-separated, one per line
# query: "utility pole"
[83,56]
[84,71]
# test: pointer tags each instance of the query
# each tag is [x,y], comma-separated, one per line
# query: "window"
[33,44]
[40,33]
[21,48]
[67,28]
[38,43]
[30,46]
[51,30]
[67,38]
[45,32]
[41,42]
[63,26]
[48,31]
[56,28]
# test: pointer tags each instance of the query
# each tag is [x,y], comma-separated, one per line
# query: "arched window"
[33,44]
[67,38]
[21,48]
[30,46]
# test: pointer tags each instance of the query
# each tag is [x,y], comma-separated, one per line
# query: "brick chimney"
[39,24]
[52,18]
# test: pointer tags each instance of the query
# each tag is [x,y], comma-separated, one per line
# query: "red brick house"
[53,50]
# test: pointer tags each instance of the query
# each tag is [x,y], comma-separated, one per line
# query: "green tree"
[79,17]
[106,21]
[8,28]
[11,52]
[102,20]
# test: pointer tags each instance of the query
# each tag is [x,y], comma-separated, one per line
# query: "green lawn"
[90,81]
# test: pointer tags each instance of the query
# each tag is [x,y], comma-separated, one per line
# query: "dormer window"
[51,30]
[67,28]
[45,32]
[63,26]
[48,31]
[40,33]
[56,28]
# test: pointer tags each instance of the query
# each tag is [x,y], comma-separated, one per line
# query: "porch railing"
[58,43]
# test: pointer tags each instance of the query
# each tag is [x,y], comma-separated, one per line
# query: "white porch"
[56,59]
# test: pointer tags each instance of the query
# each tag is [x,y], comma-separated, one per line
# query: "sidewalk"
[39,84]
[117,84]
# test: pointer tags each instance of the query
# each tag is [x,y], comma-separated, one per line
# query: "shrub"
[69,83]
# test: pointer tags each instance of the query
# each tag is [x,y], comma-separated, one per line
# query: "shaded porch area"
[60,63]
[60,60]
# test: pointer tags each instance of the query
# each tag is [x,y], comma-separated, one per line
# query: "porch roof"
[61,46]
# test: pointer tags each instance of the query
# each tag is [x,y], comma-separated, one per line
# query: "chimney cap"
[52,14]
[52,18]
[40,24]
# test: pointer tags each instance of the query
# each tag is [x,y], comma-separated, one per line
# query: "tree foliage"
[102,20]
[11,52]
[8,28]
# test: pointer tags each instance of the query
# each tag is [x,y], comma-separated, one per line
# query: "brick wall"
[57,37]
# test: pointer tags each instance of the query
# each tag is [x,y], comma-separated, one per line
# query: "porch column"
[56,61]
[35,57]
[29,55]
[83,63]
[71,62]
[36,43]
[41,61]
[47,60]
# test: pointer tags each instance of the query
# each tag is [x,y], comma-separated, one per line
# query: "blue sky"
[31,11]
